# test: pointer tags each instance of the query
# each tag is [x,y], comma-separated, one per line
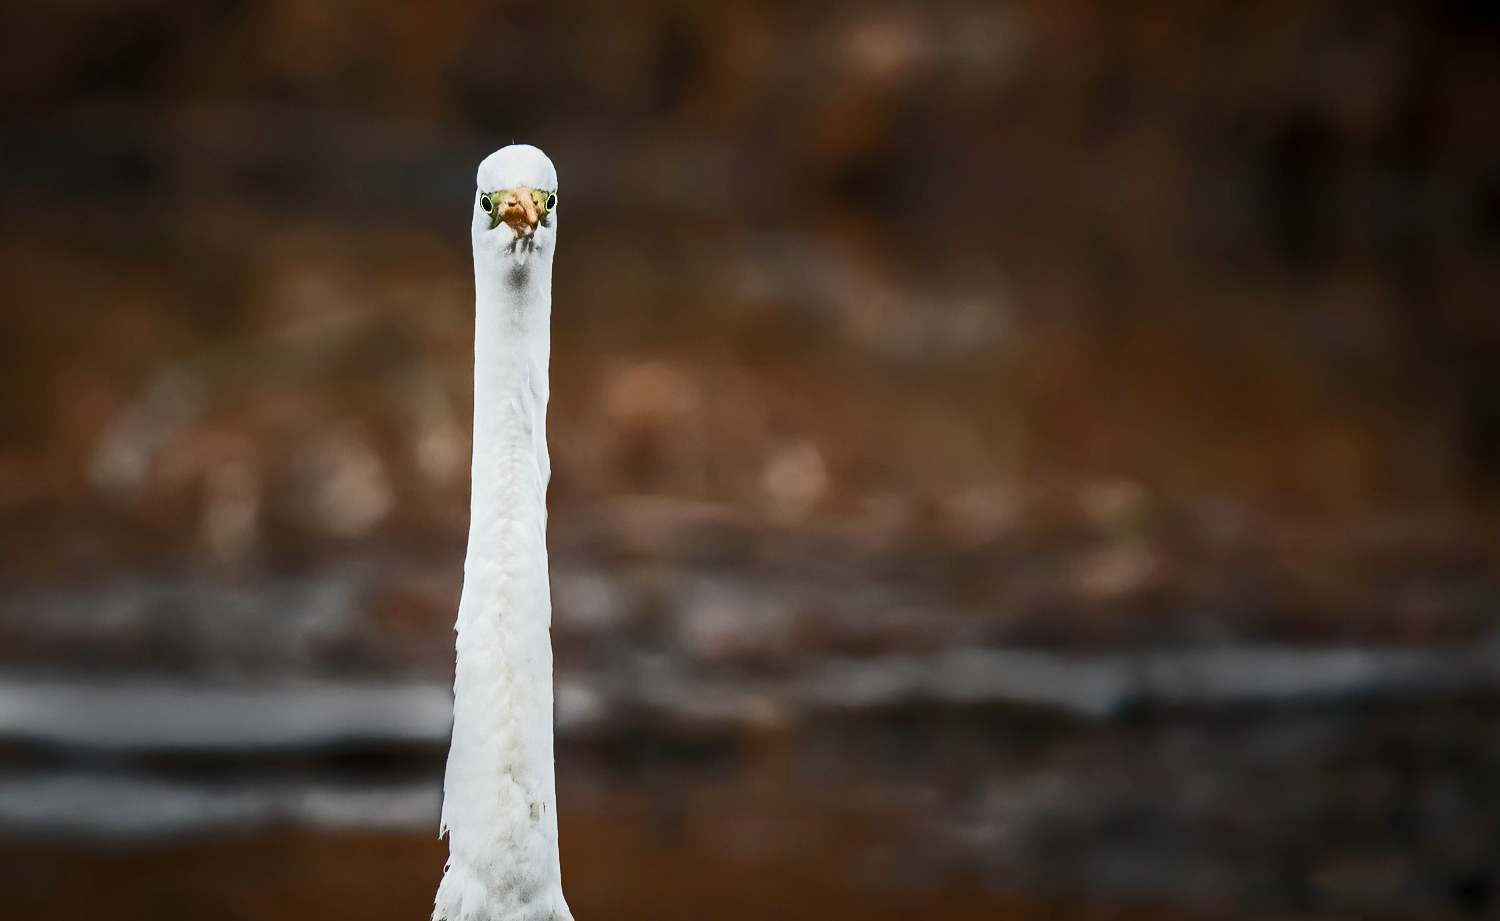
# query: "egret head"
[515,201]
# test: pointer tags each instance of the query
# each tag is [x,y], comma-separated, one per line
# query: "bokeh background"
[1010,459]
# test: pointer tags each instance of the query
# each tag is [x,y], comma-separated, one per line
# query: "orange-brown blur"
[1043,460]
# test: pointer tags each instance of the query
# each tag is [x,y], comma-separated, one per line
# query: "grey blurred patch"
[111,806]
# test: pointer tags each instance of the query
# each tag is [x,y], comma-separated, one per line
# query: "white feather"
[499,792]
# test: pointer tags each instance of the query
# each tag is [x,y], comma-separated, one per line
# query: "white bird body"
[499,790]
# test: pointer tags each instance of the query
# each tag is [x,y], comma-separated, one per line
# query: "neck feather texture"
[499,794]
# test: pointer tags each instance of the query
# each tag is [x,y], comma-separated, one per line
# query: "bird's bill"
[521,209]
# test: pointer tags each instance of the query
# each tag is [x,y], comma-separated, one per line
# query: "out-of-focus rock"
[126,451]
[654,436]
[588,599]
[1115,572]
[342,484]
[982,512]
[440,444]
[880,517]
[794,481]
[579,706]
[231,510]
[649,394]
[726,618]
[1117,506]
[887,45]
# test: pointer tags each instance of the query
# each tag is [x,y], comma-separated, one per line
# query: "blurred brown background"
[1010,460]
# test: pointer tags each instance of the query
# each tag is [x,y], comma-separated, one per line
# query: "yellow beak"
[519,210]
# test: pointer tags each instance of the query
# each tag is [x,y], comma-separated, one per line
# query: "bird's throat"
[499,797]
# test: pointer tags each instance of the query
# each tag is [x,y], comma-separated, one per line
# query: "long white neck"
[499,793]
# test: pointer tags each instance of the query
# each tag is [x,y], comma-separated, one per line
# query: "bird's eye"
[484,202]
[551,201]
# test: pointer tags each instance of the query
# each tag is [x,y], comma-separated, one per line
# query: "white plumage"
[499,792]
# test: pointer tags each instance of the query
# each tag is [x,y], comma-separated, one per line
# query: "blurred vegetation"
[944,270]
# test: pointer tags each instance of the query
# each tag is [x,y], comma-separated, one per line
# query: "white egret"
[499,790]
